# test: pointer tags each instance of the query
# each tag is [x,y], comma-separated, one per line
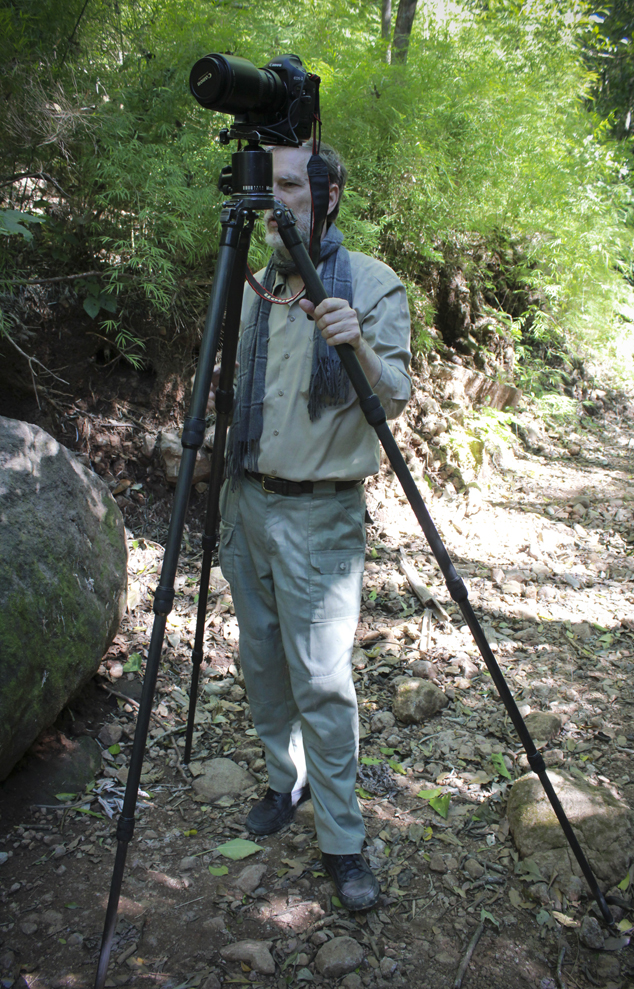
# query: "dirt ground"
[544,541]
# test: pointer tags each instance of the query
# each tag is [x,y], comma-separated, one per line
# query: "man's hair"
[337,175]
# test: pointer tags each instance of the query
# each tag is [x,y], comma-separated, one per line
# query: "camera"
[278,102]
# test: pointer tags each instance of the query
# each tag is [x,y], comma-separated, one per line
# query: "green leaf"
[441,804]
[429,794]
[134,663]
[12,222]
[336,902]
[542,917]
[114,749]
[238,848]
[218,870]
[370,761]
[497,760]
[108,302]
[304,975]
[91,813]
[65,798]
[396,766]
[485,915]
[72,906]
[363,793]
[372,596]
[387,751]
[624,884]
[91,305]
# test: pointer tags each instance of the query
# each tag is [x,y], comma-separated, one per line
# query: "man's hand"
[338,324]
[336,320]
[215,378]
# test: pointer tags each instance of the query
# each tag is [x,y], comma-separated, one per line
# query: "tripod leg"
[375,415]
[224,406]
[193,435]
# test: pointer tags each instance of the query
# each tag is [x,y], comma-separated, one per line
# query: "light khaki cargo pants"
[295,567]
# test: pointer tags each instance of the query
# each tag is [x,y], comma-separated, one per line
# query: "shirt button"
[280,393]
[276,432]
[286,356]
[273,473]
[291,319]
[342,566]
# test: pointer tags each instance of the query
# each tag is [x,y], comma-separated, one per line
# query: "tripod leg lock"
[224,401]
[536,762]
[373,410]
[193,433]
[197,657]
[125,829]
[457,588]
[163,600]
[208,542]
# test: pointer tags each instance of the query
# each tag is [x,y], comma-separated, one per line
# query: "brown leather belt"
[279,485]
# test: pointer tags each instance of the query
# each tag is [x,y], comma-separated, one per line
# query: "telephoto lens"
[230,84]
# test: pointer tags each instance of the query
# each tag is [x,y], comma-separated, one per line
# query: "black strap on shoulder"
[320,196]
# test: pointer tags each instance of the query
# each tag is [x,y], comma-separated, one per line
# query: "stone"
[188,863]
[338,957]
[437,863]
[417,700]
[211,982]
[63,581]
[221,778]
[590,933]
[423,669]
[256,954]
[110,734]
[352,981]
[388,967]
[601,819]
[446,958]
[543,725]
[251,877]
[473,868]
[29,926]
[171,451]
[608,967]
[382,721]
[305,815]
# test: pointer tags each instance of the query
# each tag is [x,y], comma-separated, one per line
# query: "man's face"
[292,187]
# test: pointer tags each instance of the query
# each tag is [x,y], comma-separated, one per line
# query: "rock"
[382,721]
[608,968]
[446,958]
[423,669]
[473,868]
[110,734]
[187,863]
[75,940]
[602,821]
[29,926]
[220,778]
[63,579]
[543,725]
[253,953]
[251,877]
[437,863]
[211,982]
[388,967]
[305,815]
[352,981]
[338,957]
[7,958]
[590,933]
[417,700]
[171,452]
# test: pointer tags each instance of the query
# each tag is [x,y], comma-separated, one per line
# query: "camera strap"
[320,198]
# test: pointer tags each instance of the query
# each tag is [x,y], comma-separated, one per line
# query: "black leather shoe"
[275,810]
[357,886]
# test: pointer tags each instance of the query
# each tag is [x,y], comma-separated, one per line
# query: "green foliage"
[481,138]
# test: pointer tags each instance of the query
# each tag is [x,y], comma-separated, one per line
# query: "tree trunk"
[386,27]
[403,29]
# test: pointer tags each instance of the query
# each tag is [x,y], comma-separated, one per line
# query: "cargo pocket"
[226,543]
[336,577]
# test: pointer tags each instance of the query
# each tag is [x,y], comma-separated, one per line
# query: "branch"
[468,954]
[57,278]
[422,593]
[35,175]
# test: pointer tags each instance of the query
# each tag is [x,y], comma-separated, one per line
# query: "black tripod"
[252,184]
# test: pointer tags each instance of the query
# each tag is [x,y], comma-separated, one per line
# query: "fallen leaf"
[497,759]
[370,761]
[134,663]
[441,804]
[564,919]
[218,870]
[238,848]
[429,794]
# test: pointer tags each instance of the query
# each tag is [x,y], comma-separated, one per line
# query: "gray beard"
[283,263]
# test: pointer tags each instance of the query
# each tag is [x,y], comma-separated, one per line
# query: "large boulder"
[601,820]
[63,581]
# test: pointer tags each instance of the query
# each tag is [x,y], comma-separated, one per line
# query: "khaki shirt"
[340,445]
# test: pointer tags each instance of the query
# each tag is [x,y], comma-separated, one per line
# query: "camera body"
[276,104]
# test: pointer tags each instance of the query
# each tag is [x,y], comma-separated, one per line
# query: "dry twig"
[468,955]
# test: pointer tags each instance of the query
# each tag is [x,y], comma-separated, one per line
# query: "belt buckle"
[265,478]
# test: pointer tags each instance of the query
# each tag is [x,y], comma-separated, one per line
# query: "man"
[292,537]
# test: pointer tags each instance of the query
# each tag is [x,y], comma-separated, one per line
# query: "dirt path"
[544,541]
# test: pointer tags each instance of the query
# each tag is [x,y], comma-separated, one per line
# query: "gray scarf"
[329,382]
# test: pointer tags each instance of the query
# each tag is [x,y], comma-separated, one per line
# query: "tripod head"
[249,177]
